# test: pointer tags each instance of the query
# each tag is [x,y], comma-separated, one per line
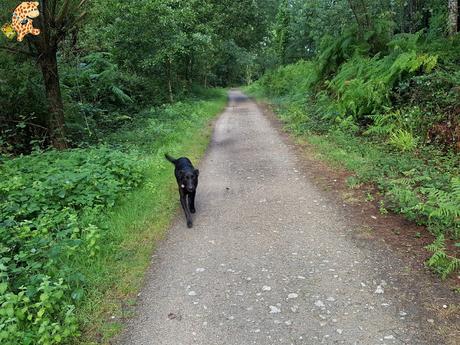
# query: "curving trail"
[270,259]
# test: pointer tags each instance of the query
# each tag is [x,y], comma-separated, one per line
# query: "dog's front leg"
[183,202]
[191,201]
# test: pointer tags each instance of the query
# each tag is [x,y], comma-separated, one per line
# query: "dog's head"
[189,180]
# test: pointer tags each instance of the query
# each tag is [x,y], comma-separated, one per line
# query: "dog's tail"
[169,158]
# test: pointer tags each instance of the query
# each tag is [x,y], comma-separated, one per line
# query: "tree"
[57,19]
[361,14]
[453,17]
[282,28]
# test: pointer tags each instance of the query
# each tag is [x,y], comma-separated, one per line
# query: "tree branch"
[16,51]
[29,123]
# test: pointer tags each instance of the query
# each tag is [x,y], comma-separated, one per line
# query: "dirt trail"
[273,260]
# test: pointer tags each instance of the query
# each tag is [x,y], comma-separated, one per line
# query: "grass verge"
[143,216]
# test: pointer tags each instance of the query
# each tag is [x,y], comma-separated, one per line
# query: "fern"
[403,140]
[363,85]
[443,206]
[440,261]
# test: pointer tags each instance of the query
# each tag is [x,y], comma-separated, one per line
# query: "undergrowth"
[50,206]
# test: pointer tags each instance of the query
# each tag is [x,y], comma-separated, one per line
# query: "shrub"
[49,205]
[363,86]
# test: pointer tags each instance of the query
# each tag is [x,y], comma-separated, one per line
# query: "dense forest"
[89,105]
[111,59]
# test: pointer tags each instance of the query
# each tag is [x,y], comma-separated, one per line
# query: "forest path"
[271,259]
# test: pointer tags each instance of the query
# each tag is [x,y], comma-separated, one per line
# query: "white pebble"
[274,310]
[379,290]
[319,304]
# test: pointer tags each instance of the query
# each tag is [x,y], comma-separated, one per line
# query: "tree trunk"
[170,90]
[49,68]
[190,72]
[453,17]
[366,15]
[358,21]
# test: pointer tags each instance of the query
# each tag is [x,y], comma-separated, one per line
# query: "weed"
[353,182]
[382,208]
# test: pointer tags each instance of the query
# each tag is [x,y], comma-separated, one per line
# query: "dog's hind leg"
[188,216]
[191,202]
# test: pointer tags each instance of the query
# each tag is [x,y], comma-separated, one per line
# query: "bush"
[288,80]
[21,122]
[50,204]
[364,86]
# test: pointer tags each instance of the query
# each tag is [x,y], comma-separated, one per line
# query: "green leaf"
[41,312]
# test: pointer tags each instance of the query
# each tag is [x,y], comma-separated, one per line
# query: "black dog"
[187,180]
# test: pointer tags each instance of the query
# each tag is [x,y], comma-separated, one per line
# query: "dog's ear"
[197,172]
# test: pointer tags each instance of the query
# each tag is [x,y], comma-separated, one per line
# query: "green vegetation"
[49,204]
[379,95]
[97,63]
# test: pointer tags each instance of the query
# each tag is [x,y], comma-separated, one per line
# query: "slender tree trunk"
[170,90]
[355,14]
[190,72]
[56,121]
[43,48]
[453,17]
[366,15]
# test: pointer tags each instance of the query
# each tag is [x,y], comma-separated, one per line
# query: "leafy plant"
[403,140]
[441,262]
[47,201]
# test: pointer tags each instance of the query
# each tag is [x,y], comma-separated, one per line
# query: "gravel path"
[270,260]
